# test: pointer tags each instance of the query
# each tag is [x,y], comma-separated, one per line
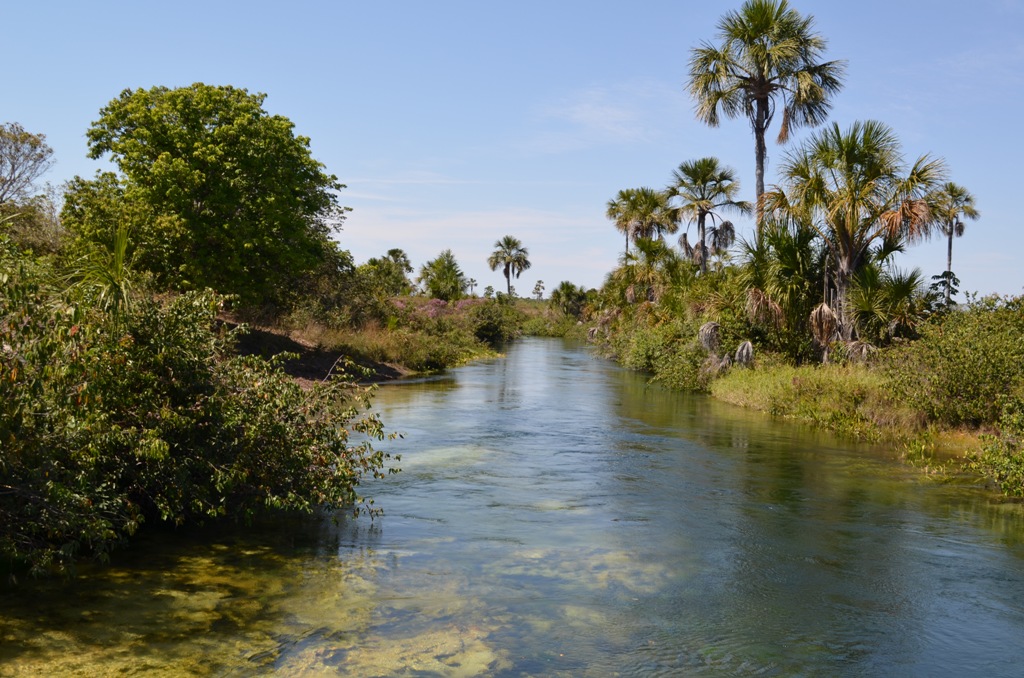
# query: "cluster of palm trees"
[699,191]
[846,200]
[443,278]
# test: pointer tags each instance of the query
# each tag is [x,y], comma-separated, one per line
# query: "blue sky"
[455,123]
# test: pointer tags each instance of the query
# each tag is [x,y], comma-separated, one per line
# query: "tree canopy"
[442,278]
[218,192]
[768,52]
[704,187]
[511,256]
[24,157]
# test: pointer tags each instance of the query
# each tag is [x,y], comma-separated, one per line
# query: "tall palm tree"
[641,213]
[705,187]
[767,52]
[617,210]
[949,204]
[510,254]
[853,188]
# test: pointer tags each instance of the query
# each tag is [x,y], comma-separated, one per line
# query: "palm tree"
[782,272]
[617,210]
[705,186]
[768,51]
[886,302]
[568,298]
[641,213]
[105,274]
[948,205]
[853,189]
[510,254]
[646,273]
[442,278]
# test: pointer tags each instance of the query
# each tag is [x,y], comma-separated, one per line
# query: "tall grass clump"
[847,399]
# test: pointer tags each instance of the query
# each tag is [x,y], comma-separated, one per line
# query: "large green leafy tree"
[219,193]
[510,255]
[854,189]
[705,188]
[769,55]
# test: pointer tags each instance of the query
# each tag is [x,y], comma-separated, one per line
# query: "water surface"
[556,516]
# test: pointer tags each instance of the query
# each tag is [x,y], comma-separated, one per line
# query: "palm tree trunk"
[761,153]
[703,245]
[949,263]
[843,279]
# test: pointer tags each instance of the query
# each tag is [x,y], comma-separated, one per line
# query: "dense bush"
[496,320]
[1002,456]
[963,363]
[103,426]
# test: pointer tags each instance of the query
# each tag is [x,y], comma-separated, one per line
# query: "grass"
[848,399]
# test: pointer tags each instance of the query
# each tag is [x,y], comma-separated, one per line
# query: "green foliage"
[1002,456]
[34,224]
[642,213]
[783,270]
[339,294]
[569,299]
[104,425]
[496,320]
[388,275]
[509,255]
[442,277]
[846,399]
[963,363]
[886,303]
[218,193]
[704,187]
[854,188]
[686,368]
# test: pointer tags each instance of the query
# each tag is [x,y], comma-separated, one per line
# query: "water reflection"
[558,516]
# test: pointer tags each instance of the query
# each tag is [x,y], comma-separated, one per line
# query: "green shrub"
[963,362]
[1002,457]
[103,426]
[496,321]
[685,368]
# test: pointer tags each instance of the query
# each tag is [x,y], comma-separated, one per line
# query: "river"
[557,516]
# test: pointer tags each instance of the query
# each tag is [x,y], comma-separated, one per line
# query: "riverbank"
[950,400]
[853,401]
[312,363]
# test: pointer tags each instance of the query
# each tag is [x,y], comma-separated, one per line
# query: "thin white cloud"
[606,115]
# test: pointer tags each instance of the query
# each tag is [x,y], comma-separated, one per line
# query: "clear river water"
[557,516]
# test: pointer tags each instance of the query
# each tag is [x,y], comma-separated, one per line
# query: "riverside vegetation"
[180,342]
[812,318]
[144,311]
